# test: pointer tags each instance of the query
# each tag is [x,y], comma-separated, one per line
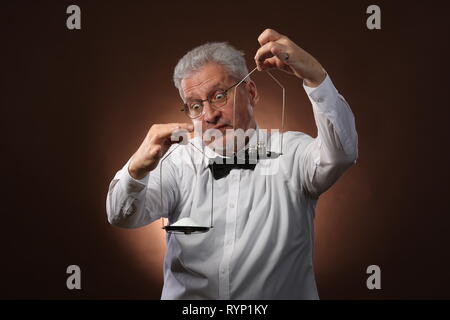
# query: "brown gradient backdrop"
[77,104]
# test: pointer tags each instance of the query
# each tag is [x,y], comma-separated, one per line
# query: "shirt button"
[320,100]
[232,205]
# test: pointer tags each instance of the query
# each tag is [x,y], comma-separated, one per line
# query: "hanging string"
[282,108]
[161,182]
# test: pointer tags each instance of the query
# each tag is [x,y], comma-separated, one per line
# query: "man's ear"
[253,92]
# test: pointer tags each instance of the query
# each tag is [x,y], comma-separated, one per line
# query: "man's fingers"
[179,136]
[173,127]
[268,35]
[263,53]
[272,63]
[269,50]
[165,131]
[187,126]
[178,133]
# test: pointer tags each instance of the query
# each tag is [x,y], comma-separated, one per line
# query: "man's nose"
[211,115]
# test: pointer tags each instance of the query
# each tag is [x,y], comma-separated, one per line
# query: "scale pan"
[186,226]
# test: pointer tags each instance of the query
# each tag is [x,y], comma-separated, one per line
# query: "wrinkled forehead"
[200,83]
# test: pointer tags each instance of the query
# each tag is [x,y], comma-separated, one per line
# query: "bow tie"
[221,170]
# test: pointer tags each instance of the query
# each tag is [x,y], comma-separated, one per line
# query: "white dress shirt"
[262,240]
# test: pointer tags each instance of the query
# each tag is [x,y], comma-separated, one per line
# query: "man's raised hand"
[278,51]
[155,145]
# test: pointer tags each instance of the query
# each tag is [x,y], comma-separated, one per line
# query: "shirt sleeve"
[336,147]
[132,203]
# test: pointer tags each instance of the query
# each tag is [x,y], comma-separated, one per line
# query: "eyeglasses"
[217,100]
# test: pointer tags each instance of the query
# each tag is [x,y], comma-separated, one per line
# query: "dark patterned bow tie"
[221,169]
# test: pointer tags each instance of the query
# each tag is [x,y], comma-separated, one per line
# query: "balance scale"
[188,225]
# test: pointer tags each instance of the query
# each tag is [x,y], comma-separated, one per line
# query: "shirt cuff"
[131,184]
[324,96]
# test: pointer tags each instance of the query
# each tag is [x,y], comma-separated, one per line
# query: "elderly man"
[261,245]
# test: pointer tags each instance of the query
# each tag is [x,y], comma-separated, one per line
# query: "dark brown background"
[77,104]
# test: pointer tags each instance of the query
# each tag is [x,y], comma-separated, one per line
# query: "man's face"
[204,83]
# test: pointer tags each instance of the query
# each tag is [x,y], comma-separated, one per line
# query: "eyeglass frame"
[186,107]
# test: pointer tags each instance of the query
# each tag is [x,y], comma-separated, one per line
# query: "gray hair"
[219,52]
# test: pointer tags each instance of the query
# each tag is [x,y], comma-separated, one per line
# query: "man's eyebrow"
[215,87]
